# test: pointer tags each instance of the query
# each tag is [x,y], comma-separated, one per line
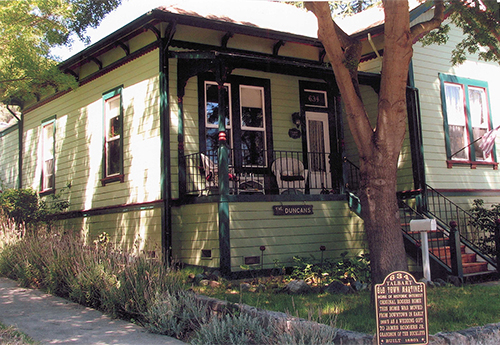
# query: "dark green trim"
[166,179]
[415,134]
[206,54]
[466,83]
[194,199]
[9,129]
[112,93]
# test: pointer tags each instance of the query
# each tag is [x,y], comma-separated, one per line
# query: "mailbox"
[423,225]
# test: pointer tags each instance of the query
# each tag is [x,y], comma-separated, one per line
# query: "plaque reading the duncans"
[401,307]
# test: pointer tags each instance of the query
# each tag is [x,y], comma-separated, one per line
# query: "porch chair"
[290,175]
[211,171]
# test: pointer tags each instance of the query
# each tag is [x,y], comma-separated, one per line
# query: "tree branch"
[344,54]
[420,29]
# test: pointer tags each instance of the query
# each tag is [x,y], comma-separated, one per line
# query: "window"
[247,114]
[113,137]
[253,129]
[47,183]
[466,119]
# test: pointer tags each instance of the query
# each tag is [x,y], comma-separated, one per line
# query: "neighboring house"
[153,162]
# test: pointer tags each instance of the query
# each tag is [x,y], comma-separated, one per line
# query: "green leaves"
[480,25]
[28,30]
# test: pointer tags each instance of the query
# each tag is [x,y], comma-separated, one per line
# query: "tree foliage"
[480,24]
[28,30]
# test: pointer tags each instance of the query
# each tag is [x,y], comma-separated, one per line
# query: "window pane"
[113,154]
[253,148]
[212,105]
[113,107]
[455,110]
[114,127]
[478,107]
[252,114]
[48,141]
[316,146]
[48,174]
[457,142]
[479,132]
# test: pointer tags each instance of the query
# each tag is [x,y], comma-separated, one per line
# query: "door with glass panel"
[318,152]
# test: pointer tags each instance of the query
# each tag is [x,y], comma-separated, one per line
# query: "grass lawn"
[10,336]
[449,308]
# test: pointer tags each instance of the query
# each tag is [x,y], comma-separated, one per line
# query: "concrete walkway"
[53,320]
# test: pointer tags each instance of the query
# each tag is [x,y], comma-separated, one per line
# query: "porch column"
[221,74]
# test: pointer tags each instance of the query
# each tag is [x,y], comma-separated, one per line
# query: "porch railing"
[263,172]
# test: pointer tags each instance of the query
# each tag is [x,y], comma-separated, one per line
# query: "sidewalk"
[53,320]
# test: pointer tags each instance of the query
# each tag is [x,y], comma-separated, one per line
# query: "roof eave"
[157,15]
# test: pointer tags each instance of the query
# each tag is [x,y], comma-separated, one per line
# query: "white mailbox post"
[423,226]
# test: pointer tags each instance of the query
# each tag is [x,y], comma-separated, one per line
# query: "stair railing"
[438,242]
[351,176]
[446,211]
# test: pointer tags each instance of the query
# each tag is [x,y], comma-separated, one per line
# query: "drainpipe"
[20,147]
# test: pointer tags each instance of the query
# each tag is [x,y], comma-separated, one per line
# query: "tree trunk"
[378,147]
[380,212]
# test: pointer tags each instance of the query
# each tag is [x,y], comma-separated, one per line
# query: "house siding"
[196,228]
[9,164]
[428,62]
[333,225]
[79,142]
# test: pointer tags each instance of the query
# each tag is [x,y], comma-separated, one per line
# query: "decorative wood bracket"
[123,46]
[322,55]
[225,39]
[170,32]
[154,30]
[96,61]
[73,73]
[277,46]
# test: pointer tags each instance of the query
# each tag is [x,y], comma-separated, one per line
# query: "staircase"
[473,262]
[433,205]
[439,247]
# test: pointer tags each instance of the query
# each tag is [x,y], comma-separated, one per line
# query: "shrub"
[111,281]
[26,209]
[346,269]
[234,330]
[176,314]
[305,333]
[485,220]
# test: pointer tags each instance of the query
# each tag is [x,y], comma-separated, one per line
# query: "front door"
[318,152]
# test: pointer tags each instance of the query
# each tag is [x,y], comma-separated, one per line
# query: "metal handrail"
[446,211]
[438,240]
[351,176]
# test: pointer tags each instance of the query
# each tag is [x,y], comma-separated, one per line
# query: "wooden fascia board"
[156,16]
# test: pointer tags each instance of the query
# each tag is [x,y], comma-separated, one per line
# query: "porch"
[251,172]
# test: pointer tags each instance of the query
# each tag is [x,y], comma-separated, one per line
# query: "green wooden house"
[216,137]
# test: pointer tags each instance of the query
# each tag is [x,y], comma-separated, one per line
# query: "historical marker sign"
[401,306]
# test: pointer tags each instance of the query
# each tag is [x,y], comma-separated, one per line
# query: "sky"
[124,14]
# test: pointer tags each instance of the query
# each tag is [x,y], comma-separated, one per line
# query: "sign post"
[401,307]
[423,226]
